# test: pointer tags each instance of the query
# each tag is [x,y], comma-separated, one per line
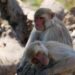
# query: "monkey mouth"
[38,62]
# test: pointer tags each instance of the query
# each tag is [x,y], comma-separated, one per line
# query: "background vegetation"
[67,3]
[36,3]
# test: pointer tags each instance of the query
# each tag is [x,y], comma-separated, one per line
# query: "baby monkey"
[41,54]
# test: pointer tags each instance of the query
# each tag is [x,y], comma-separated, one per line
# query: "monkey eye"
[39,18]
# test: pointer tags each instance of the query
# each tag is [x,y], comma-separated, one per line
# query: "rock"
[3,1]
[16,18]
[66,19]
[72,11]
[7,70]
[69,18]
[73,34]
[70,27]
[10,49]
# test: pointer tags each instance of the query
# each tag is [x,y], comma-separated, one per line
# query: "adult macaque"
[47,27]
[43,54]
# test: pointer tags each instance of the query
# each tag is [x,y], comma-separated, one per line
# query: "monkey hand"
[25,69]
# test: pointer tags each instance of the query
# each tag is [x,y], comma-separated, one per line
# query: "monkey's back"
[59,50]
[57,32]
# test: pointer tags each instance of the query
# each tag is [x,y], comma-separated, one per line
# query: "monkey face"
[39,23]
[42,18]
[40,59]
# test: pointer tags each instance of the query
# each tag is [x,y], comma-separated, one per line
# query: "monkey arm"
[26,69]
[32,37]
[23,65]
[65,65]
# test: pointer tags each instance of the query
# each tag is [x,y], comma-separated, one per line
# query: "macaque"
[42,54]
[47,27]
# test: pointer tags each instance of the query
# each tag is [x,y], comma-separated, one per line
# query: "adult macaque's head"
[41,17]
[37,54]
